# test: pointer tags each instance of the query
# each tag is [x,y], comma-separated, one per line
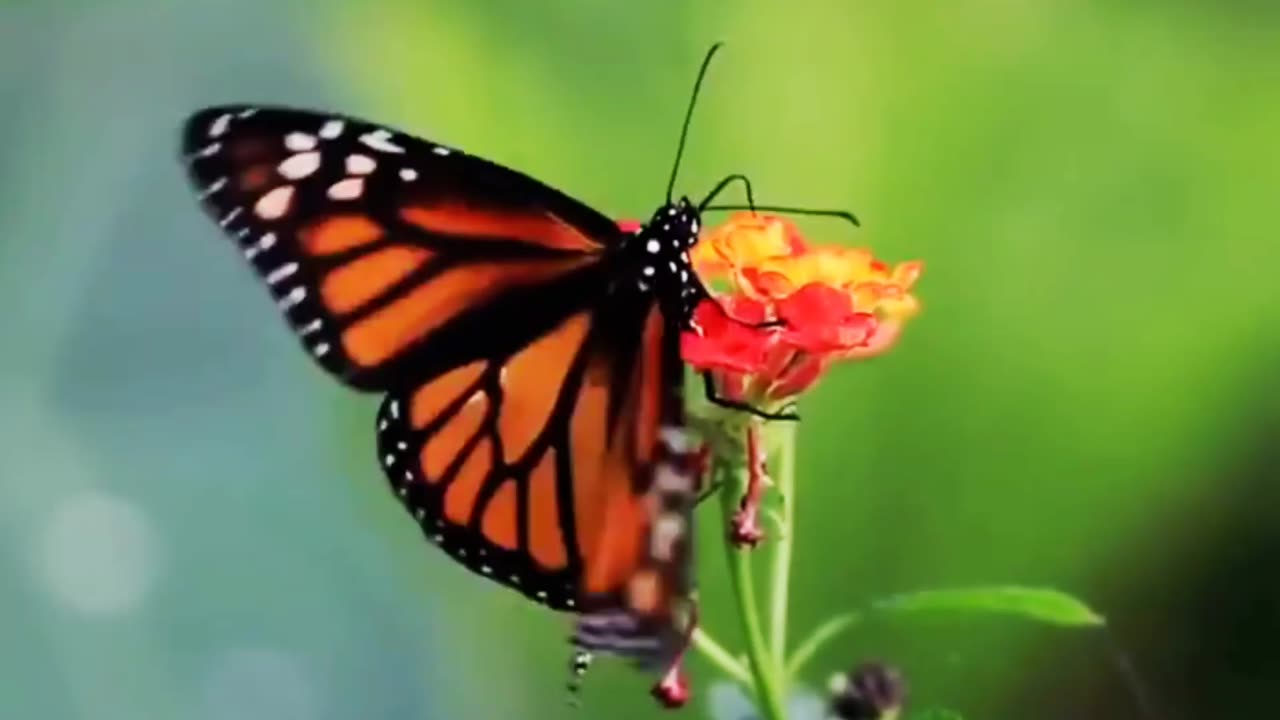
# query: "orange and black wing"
[392,257]
[528,378]
[549,470]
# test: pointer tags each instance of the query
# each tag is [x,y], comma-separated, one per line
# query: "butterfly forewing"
[372,241]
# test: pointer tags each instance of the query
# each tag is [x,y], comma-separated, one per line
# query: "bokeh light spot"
[258,684]
[97,554]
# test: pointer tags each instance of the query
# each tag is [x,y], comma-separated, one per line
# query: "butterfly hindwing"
[538,470]
[374,242]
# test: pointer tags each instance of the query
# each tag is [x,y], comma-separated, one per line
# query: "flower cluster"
[784,313]
[790,310]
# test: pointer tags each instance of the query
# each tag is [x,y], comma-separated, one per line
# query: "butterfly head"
[677,222]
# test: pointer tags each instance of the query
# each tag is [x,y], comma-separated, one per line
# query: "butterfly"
[526,348]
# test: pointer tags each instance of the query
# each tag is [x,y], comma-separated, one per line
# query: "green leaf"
[1048,606]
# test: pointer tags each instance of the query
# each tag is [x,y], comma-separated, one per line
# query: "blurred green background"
[192,523]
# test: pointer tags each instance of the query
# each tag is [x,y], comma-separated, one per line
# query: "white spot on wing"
[295,296]
[441,150]
[219,125]
[230,216]
[296,167]
[331,129]
[214,187]
[380,140]
[322,349]
[358,164]
[348,189]
[282,272]
[274,204]
[300,141]
[652,246]
[408,174]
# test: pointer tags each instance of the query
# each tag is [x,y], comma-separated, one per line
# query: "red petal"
[800,376]
[721,342]
[821,319]
[745,309]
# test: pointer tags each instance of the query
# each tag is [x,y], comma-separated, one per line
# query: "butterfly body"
[526,349]
[658,255]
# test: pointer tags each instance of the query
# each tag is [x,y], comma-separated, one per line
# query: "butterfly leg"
[709,387]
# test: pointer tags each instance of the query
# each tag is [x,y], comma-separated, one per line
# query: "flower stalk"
[784,451]
[761,662]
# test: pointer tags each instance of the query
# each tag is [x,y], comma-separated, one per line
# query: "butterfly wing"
[386,253]
[549,470]
[527,389]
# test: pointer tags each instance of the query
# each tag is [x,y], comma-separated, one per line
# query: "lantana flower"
[783,312]
[789,310]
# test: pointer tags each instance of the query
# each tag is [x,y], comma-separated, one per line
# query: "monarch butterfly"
[526,347]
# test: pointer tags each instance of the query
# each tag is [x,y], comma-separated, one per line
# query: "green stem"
[764,669]
[784,451]
[721,658]
[821,636]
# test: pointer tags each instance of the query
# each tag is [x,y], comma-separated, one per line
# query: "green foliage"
[1048,606]
[1039,604]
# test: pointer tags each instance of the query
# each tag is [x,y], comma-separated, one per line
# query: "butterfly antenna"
[688,116]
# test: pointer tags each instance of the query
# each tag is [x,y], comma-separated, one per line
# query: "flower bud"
[872,691]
